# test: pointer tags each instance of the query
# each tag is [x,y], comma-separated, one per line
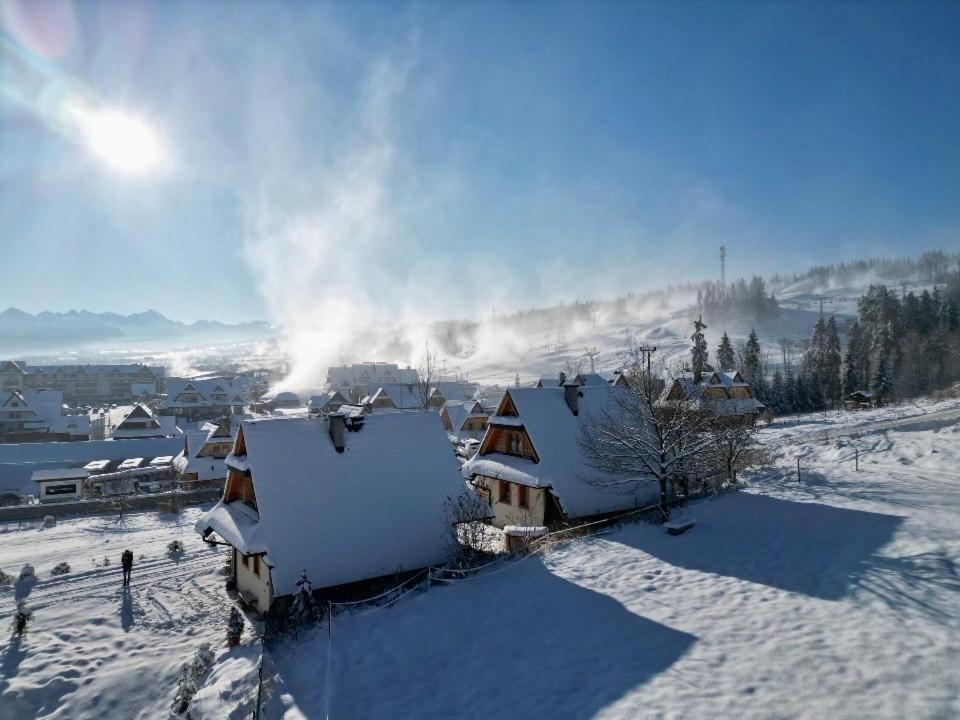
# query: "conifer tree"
[699,352]
[751,358]
[725,355]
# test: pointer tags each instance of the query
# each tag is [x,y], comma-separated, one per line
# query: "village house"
[859,400]
[361,380]
[399,396]
[208,398]
[345,499]
[725,394]
[464,419]
[546,381]
[531,467]
[142,423]
[201,463]
[36,416]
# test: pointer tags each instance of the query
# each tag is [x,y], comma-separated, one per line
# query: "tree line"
[899,346]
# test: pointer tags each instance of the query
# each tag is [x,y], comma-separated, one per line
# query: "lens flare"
[125,143]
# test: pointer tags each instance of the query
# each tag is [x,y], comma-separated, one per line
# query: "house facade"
[85,384]
[345,498]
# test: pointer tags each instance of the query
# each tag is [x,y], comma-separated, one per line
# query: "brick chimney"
[571,393]
[337,429]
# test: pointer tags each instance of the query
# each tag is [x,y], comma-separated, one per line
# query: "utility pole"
[648,350]
[591,353]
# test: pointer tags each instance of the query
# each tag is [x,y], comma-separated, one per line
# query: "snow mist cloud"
[324,239]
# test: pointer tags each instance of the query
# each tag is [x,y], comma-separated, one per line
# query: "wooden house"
[142,423]
[725,394]
[531,467]
[346,499]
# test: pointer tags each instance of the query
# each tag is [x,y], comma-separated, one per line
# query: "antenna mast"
[723,267]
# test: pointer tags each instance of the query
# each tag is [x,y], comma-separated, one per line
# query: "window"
[515,444]
[65,489]
[504,492]
[256,565]
[246,560]
[522,500]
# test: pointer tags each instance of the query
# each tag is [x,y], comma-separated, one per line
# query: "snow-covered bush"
[174,547]
[49,521]
[60,569]
[21,618]
[191,677]
[27,573]
[470,540]
[234,626]
[302,609]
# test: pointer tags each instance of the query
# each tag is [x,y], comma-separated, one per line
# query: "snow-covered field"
[838,597]
[93,650]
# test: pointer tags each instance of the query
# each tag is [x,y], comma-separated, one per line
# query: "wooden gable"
[512,440]
[507,408]
[676,392]
[239,485]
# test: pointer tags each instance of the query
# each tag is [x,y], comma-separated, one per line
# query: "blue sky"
[442,159]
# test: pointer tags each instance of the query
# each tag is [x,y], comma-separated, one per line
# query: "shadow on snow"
[803,547]
[526,640]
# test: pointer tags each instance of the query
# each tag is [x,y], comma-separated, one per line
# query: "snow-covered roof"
[590,379]
[405,396]
[695,392]
[60,474]
[375,507]
[212,391]
[71,425]
[456,389]
[555,433]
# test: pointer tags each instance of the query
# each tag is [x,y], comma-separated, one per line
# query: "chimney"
[337,426]
[571,393]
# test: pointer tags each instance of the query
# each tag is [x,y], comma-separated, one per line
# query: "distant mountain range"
[23,332]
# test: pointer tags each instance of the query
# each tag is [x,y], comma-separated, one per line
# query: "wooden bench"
[678,527]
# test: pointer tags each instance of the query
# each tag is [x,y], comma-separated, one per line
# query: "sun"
[125,143]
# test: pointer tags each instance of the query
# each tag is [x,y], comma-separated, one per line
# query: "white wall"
[512,514]
[248,582]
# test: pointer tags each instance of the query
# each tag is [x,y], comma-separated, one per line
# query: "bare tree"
[733,439]
[639,436]
[471,536]
[427,376]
